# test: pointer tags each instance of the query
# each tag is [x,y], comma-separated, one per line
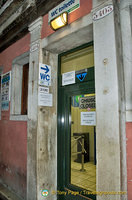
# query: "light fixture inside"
[59,21]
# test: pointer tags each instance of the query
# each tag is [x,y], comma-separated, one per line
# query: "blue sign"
[5,93]
[81,76]
[44,74]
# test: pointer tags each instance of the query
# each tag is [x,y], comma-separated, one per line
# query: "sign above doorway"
[66,6]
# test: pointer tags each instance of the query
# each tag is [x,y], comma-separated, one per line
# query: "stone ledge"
[6,194]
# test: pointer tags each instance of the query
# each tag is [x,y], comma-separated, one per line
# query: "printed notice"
[88,118]
[45,99]
[68,78]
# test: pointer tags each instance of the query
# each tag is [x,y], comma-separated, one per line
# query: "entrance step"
[6,194]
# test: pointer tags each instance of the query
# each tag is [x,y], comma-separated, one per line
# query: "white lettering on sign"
[44,74]
[88,118]
[65,6]
[68,78]
[102,12]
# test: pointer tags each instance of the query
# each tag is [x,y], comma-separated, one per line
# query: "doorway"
[76,125]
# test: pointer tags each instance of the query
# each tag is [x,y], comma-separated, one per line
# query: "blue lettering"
[47,77]
[42,76]
[55,12]
[60,9]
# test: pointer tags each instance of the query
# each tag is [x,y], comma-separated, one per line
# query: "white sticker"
[45,99]
[43,89]
[44,74]
[68,78]
[88,118]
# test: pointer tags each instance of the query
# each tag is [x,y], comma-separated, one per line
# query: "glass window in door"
[83,142]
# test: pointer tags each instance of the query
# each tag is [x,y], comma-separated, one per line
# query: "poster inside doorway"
[88,118]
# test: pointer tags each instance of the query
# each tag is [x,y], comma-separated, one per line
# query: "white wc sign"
[44,74]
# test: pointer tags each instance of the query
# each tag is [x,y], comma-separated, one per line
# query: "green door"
[77,126]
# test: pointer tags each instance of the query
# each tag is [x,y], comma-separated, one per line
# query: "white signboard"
[68,78]
[88,118]
[45,99]
[65,6]
[5,91]
[44,74]
[103,12]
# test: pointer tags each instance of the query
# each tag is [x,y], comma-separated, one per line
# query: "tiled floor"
[86,179]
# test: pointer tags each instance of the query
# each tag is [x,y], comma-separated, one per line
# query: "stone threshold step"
[6,194]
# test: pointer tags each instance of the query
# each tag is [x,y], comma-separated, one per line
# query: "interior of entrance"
[81,129]
[83,146]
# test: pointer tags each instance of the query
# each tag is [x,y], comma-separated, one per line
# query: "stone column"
[109,101]
[47,136]
[126,30]
[35,42]
[42,124]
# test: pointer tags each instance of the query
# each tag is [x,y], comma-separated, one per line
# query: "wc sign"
[44,74]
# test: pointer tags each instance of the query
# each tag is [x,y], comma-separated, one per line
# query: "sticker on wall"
[43,89]
[5,91]
[68,78]
[81,76]
[44,74]
[88,118]
[103,12]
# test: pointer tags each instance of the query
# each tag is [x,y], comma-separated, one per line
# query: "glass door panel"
[83,142]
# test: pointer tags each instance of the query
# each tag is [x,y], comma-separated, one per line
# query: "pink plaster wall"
[13,134]
[129,158]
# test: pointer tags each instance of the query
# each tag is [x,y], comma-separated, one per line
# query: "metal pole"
[83,154]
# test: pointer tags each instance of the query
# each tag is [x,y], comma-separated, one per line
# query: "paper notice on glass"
[88,118]
[68,78]
[45,99]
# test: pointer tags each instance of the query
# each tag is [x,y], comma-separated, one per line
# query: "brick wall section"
[129,158]
[13,134]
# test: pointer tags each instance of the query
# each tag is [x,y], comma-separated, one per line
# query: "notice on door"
[88,118]
[68,78]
